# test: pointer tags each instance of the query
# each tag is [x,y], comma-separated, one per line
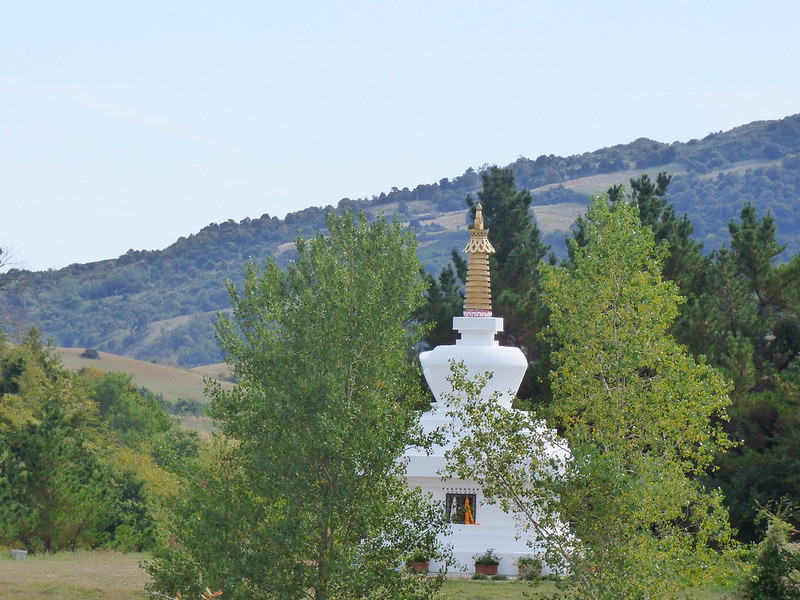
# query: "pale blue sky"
[129,124]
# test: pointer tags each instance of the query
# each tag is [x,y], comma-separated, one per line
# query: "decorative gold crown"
[478,300]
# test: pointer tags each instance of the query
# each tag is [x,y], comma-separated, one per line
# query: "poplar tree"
[616,500]
[306,496]
[640,414]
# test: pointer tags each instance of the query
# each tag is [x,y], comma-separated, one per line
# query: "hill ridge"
[160,304]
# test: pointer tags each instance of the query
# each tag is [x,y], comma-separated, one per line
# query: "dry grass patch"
[599,184]
[557,217]
[68,576]
[451,221]
[215,371]
[171,382]
[466,589]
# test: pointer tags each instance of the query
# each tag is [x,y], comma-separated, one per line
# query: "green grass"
[73,576]
[466,589]
[111,575]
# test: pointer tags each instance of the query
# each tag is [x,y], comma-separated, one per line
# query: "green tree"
[638,416]
[83,457]
[776,575]
[683,261]
[58,495]
[754,248]
[516,288]
[444,299]
[11,280]
[310,475]
[747,323]
[518,253]
[638,413]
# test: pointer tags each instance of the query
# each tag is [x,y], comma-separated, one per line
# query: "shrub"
[418,556]
[776,573]
[487,558]
[530,575]
[480,576]
[499,577]
[530,569]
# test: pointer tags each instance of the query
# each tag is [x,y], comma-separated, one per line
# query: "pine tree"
[516,287]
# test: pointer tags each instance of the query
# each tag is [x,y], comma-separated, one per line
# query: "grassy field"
[73,576]
[109,575]
[171,382]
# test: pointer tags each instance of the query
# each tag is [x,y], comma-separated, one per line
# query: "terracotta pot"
[418,567]
[486,569]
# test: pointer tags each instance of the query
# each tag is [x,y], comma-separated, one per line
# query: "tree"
[518,252]
[515,278]
[516,290]
[307,478]
[776,575]
[640,420]
[748,323]
[66,482]
[638,412]
[11,278]
[683,261]
[444,299]
[753,250]
[57,494]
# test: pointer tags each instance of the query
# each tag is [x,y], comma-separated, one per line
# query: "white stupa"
[475,525]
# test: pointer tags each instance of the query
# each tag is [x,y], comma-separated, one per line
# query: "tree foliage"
[314,430]
[518,253]
[444,299]
[83,457]
[639,413]
[776,575]
[640,418]
[747,322]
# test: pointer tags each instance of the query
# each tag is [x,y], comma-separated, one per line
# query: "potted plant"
[529,568]
[418,562]
[487,562]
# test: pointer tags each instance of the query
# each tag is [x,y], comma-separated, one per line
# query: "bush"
[776,573]
[480,577]
[530,575]
[499,577]
[487,558]
[530,569]
[418,556]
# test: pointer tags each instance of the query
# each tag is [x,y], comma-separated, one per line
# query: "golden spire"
[478,301]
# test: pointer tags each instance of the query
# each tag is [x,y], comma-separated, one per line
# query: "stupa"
[475,525]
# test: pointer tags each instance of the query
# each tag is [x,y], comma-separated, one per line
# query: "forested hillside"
[159,305]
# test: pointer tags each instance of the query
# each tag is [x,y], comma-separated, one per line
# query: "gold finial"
[478,300]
